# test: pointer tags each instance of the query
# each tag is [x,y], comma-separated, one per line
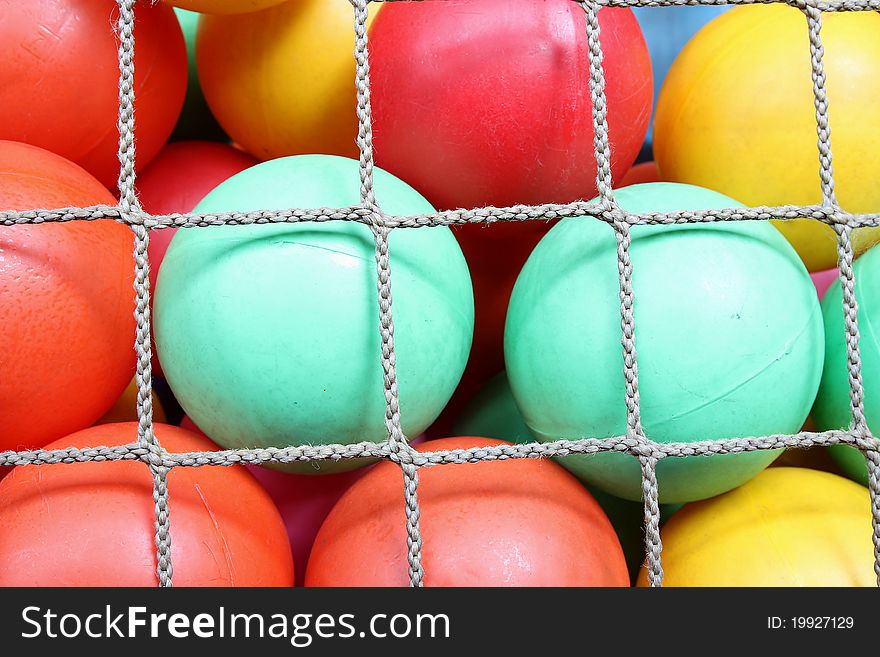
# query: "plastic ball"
[737,115]
[59,80]
[125,408]
[495,256]
[92,524]
[786,527]
[67,298]
[469,126]
[301,364]
[832,410]
[287,87]
[729,340]
[645,172]
[196,120]
[224,6]
[823,280]
[492,413]
[520,522]
[304,503]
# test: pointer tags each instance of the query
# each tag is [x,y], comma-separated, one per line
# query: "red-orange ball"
[519,522]
[66,303]
[92,524]
[59,77]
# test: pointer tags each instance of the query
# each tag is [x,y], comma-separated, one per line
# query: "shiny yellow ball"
[785,527]
[736,114]
[282,81]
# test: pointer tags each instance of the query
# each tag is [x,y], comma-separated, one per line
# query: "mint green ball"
[832,404]
[269,334]
[492,413]
[728,335]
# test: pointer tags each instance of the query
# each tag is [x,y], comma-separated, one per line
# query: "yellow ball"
[125,408]
[736,114]
[282,81]
[785,527]
[223,6]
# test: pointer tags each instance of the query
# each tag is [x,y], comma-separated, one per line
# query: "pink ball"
[823,280]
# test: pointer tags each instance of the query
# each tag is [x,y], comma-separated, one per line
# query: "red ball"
[522,522]
[181,176]
[487,102]
[66,302]
[92,524]
[59,77]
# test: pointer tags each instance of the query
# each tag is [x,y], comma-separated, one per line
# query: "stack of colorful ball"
[268,335]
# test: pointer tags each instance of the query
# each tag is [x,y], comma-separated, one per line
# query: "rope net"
[396,448]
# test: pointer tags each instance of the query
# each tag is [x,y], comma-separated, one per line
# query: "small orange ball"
[520,522]
[66,303]
[92,524]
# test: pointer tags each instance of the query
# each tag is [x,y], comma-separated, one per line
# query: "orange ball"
[519,522]
[92,524]
[66,303]
[59,79]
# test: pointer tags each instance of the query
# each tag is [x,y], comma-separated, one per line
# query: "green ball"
[493,413]
[196,120]
[269,334]
[832,404]
[728,336]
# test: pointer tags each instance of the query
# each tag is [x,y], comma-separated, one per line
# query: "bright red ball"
[487,102]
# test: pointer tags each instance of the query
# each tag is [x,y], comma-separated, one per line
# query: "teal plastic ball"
[728,335]
[269,334]
[492,413]
[831,410]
